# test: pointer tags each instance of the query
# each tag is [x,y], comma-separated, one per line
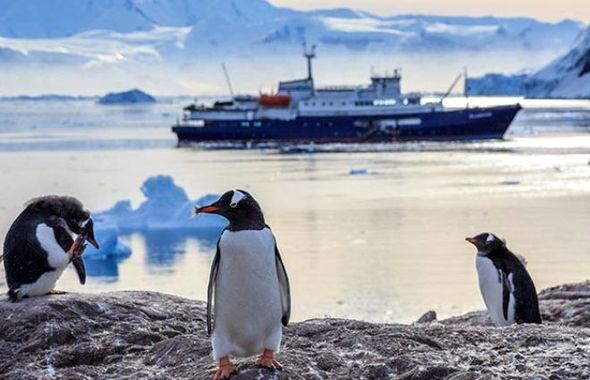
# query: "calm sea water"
[385,245]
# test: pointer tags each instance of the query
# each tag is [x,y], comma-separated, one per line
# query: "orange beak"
[206,209]
[471,240]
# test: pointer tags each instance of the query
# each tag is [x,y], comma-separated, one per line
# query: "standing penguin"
[507,288]
[40,244]
[248,293]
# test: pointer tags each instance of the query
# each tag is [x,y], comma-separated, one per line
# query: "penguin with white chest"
[507,288]
[40,244]
[248,296]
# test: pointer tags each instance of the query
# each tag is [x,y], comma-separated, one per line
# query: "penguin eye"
[233,204]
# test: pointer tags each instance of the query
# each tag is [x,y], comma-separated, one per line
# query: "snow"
[102,46]
[116,31]
[461,30]
[166,207]
[567,76]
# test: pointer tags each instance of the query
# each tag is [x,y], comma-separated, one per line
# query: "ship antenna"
[231,90]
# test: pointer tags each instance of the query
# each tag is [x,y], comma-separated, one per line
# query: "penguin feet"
[225,370]
[55,292]
[267,359]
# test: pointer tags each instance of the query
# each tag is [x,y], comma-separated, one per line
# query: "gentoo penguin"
[40,244]
[248,295]
[507,288]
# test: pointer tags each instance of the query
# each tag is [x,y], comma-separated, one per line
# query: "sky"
[548,10]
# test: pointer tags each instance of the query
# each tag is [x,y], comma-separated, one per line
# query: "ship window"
[313,103]
[343,103]
[257,124]
[245,124]
[304,103]
[331,103]
[323,103]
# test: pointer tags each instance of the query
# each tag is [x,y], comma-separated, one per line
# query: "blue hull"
[464,124]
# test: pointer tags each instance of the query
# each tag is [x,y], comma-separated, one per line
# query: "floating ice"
[362,171]
[167,207]
[358,171]
[110,246]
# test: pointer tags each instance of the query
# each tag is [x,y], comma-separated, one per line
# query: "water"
[385,244]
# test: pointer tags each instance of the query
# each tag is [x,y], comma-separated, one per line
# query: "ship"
[301,113]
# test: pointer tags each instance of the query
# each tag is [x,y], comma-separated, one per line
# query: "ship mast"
[309,55]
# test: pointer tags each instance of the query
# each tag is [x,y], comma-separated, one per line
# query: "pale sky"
[548,10]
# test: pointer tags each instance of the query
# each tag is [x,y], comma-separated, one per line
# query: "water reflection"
[164,248]
[106,268]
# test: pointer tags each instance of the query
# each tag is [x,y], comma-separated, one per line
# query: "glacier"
[566,77]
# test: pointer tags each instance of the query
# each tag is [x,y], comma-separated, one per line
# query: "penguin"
[248,297]
[40,244]
[506,287]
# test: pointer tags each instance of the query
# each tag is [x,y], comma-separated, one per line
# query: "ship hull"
[464,124]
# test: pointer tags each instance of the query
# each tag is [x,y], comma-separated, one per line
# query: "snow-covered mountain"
[567,76]
[243,24]
[182,42]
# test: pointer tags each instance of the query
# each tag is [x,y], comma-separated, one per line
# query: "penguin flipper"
[211,289]
[284,287]
[78,263]
[506,291]
[62,236]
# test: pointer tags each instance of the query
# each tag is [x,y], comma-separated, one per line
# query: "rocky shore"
[147,335]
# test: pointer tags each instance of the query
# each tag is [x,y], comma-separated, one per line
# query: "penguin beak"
[211,209]
[471,240]
[89,234]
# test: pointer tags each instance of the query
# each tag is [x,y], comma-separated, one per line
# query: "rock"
[429,316]
[156,336]
[134,96]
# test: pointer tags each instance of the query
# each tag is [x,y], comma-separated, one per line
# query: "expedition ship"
[301,113]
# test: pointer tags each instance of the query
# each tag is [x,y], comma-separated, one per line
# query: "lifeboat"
[274,100]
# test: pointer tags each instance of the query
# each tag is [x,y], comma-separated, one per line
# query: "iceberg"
[110,246]
[166,207]
[134,96]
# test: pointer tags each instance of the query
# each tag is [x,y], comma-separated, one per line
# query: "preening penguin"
[507,288]
[40,244]
[248,295]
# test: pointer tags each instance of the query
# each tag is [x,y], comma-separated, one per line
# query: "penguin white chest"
[492,291]
[247,307]
[57,259]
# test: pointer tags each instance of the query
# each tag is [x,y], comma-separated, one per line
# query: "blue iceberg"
[167,207]
[164,217]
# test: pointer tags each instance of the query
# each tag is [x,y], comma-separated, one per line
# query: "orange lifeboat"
[274,100]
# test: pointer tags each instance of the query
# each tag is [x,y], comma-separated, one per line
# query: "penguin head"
[486,242]
[239,208]
[68,209]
